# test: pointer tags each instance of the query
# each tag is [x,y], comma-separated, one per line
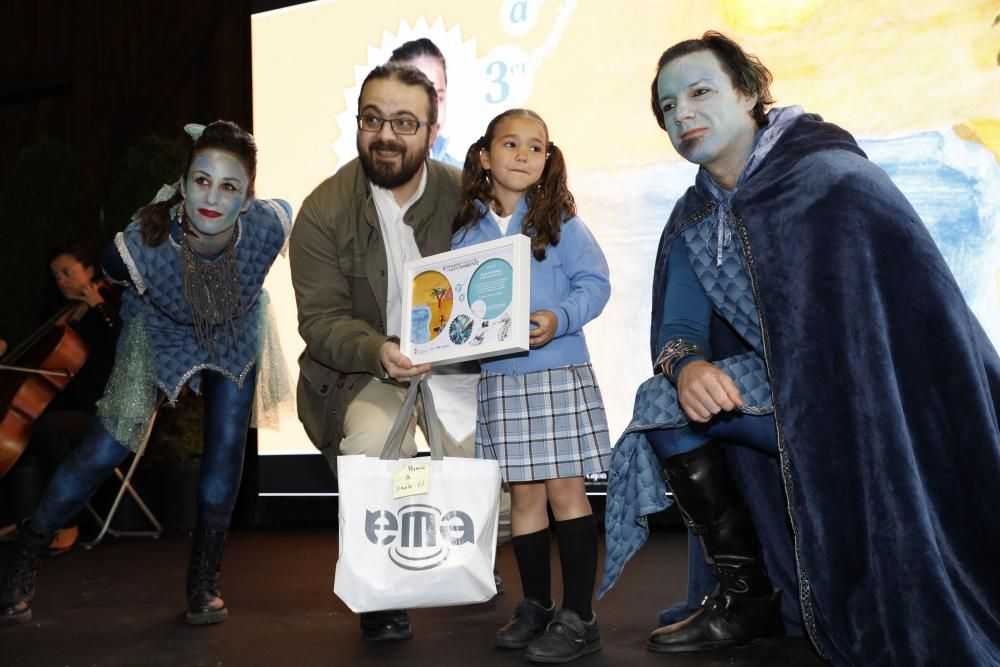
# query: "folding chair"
[126,487]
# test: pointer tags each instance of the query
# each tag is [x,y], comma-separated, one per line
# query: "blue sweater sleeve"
[686,308]
[587,270]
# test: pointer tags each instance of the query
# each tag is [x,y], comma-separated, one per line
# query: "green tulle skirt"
[134,393]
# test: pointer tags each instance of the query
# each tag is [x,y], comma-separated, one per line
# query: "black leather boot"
[744,608]
[205,604]
[17,587]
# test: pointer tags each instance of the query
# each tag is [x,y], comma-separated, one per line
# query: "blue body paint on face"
[216,191]
[708,121]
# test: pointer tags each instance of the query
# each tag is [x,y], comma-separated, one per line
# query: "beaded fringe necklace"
[212,291]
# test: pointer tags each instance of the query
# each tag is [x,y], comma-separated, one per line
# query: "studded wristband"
[672,353]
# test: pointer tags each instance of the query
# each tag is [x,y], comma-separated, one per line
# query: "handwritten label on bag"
[412,480]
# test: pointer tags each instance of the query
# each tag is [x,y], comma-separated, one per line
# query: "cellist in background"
[90,307]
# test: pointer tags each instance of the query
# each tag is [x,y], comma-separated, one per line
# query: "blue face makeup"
[215,191]
[708,121]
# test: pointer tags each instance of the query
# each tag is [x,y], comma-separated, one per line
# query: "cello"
[30,378]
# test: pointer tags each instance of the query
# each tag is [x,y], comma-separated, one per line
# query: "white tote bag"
[416,532]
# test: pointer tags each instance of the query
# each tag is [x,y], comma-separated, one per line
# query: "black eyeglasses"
[370,123]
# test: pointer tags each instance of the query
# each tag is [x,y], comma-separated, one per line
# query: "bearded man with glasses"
[350,242]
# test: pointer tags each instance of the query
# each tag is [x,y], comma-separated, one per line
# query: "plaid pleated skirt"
[543,425]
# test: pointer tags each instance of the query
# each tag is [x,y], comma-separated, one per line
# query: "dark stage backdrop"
[82,81]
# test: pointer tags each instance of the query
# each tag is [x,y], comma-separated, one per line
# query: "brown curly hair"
[550,202]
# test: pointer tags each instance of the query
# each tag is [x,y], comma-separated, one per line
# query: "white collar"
[384,196]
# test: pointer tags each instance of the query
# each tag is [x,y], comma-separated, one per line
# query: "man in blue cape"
[824,407]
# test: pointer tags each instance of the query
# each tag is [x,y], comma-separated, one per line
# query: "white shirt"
[503,222]
[400,247]
[455,409]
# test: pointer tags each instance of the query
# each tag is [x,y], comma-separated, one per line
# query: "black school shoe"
[528,623]
[566,638]
[388,625]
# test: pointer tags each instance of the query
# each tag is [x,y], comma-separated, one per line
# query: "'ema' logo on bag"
[419,536]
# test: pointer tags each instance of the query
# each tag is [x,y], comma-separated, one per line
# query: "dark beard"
[388,176]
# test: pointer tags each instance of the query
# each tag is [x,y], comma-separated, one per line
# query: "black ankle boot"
[205,604]
[744,608]
[17,587]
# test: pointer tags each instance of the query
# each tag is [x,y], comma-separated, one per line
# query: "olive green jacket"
[338,263]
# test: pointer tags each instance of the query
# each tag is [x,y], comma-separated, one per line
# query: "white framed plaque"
[469,303]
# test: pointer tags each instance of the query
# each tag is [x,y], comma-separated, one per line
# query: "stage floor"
[121,604]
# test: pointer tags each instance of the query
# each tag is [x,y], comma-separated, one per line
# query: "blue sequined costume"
[158,297]
[158,354]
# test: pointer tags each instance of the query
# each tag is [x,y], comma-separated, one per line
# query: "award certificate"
[468,303]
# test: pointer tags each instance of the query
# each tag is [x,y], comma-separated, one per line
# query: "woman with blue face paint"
[194,315]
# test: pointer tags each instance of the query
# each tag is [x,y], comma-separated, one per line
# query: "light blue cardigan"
[572,282]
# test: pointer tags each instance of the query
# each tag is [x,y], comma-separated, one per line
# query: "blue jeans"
[227,417]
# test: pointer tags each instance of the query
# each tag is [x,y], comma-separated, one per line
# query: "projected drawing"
[919,91]
[481,85]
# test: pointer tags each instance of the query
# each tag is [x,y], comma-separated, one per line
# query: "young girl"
[540,412]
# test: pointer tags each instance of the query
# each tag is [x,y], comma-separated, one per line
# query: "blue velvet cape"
[882,510]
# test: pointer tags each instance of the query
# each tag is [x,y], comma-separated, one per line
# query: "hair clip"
[165,193]
[194,130]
